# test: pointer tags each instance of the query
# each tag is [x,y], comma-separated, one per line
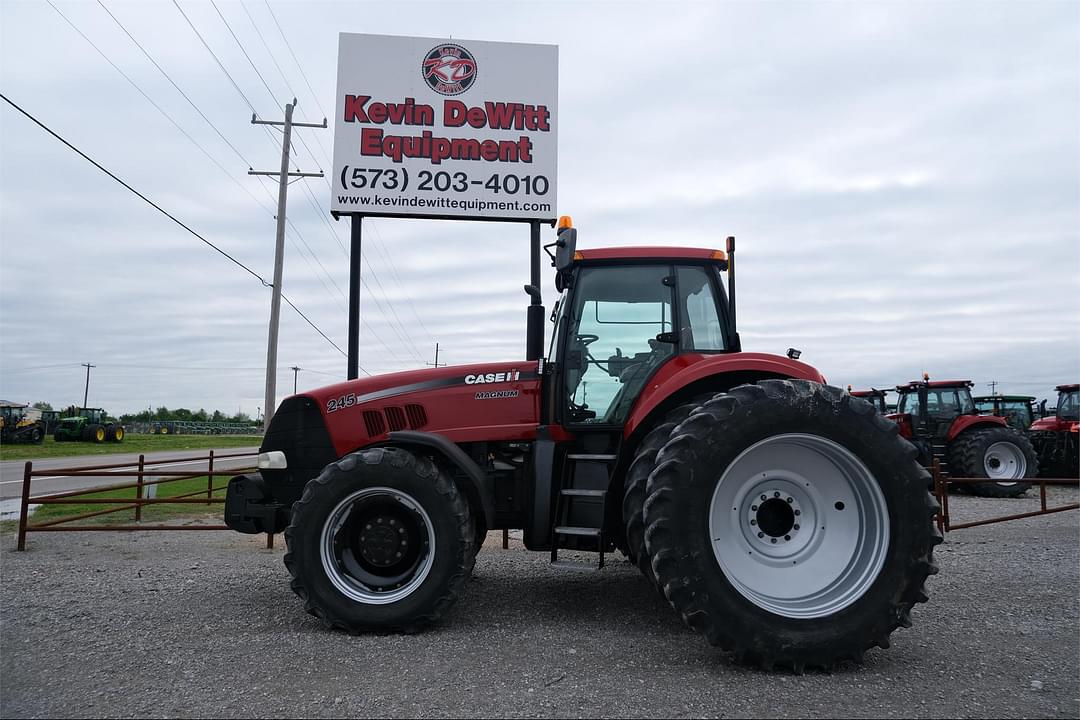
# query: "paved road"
[11,472]
[203,624]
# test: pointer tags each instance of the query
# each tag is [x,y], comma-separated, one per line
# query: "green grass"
[150,513]
[131,444]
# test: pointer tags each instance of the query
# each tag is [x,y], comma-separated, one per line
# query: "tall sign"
[435,128]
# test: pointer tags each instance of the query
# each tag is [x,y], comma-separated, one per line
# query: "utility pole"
[436,363]
[295,370]
[993,387]
[86,392]
[279,249]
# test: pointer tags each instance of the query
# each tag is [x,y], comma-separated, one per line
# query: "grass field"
[131,444]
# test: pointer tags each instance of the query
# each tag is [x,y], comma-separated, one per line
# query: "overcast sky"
[903,180]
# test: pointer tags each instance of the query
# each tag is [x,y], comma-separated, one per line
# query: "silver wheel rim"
[1004,460]
[344,563]
[831,516]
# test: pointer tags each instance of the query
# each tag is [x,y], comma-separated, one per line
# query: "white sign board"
[445,128]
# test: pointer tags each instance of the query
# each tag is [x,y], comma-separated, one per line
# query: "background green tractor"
[1018,410]
[89,425]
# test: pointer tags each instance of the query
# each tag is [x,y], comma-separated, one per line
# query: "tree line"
[162,414]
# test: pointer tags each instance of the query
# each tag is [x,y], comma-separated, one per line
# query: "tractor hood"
[1054,424]
[485,401]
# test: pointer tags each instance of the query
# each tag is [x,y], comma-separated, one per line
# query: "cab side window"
[700,327]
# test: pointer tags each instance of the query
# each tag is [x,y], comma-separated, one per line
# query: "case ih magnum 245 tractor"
[941,419]
[784,519]
[1056,438]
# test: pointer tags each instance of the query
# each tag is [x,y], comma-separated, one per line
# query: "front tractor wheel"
[789,523]
[998,453]
[381,540]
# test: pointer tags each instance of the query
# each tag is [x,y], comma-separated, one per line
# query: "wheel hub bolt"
[761,534]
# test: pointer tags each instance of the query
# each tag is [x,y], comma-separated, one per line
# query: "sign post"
[446,129]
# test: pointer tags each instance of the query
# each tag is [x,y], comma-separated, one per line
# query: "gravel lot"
[204,625]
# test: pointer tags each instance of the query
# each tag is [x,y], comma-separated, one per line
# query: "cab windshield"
[1069,405]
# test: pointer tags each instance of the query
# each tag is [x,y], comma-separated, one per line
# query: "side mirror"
[565,247]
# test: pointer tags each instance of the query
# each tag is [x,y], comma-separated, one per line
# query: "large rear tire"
[637,476]
[998,453]
[380,540]
[790,524]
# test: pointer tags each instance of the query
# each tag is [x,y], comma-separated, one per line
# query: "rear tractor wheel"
[790,524]
[637,477]
[998,453]
[380,540]
[97,433]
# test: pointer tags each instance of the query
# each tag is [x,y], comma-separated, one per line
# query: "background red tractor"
[941,419]
[1055,437]
[873,396]
[782,518]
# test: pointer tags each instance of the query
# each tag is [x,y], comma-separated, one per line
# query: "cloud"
[902,180]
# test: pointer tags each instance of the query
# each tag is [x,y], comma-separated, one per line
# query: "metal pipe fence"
[941,491]
[141,472]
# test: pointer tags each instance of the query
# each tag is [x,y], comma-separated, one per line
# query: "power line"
[159,108]
[241,46]
[178,89]
[269,52]
[216,59]
[169,215]
[302,73]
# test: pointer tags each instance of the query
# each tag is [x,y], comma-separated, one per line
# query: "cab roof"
[1068,388]
[650,252]
[1010,398]
[916,384]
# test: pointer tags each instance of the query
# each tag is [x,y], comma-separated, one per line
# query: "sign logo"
[449,69]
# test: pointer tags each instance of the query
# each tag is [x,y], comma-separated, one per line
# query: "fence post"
[269,541]
[25,508]
[139,490]
[941,489]
[210,480]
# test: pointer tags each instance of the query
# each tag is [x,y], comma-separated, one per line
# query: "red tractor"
[940,418]
[873,396]
[782,518]
[1055,437]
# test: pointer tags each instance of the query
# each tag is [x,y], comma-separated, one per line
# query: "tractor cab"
[873,396]
[932,408]
[1018,410]
[624,313]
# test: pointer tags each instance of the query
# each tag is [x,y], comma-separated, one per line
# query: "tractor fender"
[965,422]
[478,490]
[687,369]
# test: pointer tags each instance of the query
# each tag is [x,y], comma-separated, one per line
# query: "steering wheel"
[587,339]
